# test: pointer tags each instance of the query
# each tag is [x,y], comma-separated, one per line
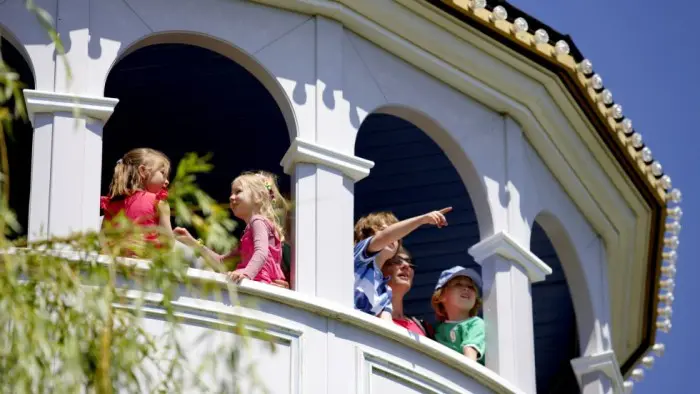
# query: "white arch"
[457,156]
[577,281]
[226,49]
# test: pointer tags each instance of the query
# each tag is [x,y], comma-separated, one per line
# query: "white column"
[66,161]
[599,374]
[323,219]
[508,269]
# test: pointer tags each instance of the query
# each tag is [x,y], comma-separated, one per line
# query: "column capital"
[504,245]
[604,362]
[39,101]
[302,151]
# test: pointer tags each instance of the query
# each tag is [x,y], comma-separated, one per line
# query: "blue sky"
[651,67]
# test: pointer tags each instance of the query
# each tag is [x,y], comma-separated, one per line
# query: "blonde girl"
[456,302]
[139,190]
[255,199]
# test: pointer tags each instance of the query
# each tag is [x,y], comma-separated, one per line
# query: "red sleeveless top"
[141,208]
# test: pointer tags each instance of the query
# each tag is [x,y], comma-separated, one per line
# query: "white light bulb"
[541,36]
[646,155]
[672,242]
[664,326]
[669,271]
[667,284]
[585,66]
[675,213]
[657,169]
[562,48]
[671,256]
[675,196]
[673,227]
[637,141]
[658,349]
[596,82]
[626,126]
[520,25]
[638,374]
[666,311]
[667,298]
[665,182]
[616,111]
[478,4]
[499,13]
[648,362]
[628,386]
[606,97]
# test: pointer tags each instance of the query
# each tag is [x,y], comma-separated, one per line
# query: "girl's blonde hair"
[439,308]
[266,196]
[126,179]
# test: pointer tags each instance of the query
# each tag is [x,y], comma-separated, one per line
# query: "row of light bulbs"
[673,196]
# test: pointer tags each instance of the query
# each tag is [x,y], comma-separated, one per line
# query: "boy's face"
[460,292]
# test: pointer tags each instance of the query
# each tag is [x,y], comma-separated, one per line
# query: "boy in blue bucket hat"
[456,302]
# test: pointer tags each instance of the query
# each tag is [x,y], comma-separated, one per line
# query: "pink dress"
[260,250]
[140,207]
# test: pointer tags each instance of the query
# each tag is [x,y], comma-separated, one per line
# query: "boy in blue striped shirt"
[377,239]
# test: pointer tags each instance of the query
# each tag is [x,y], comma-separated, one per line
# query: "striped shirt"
[372,294]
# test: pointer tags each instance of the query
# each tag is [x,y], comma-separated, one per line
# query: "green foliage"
[71,309]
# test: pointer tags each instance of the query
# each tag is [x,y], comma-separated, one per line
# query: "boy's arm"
[401,229]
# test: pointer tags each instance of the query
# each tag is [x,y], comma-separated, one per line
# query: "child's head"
[140,169]
[457,294]
[373,223]
[256,193]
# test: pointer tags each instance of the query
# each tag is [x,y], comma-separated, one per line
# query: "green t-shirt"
[459,334]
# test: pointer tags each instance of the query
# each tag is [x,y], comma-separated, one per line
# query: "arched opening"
[412,175]
[19,143]
[555,329]
[181,98]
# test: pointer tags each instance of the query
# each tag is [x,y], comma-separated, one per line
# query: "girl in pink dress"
[139,190]
[256,200]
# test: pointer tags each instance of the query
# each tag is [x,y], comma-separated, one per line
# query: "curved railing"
[320,346]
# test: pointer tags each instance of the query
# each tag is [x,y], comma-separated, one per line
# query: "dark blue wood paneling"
[412,176]
[180,98]
[19,145]
[554,322]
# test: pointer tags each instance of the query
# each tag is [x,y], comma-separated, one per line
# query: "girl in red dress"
[139,190]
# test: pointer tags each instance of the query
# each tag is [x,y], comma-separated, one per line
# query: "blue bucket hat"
[455,271]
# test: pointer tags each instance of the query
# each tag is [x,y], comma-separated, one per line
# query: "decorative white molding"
[100,108]
[605,362]
[504,245]
[302,151]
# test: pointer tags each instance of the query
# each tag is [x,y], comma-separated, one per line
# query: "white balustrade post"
[323,219]
[598,373]
[508,270]
[66,161]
